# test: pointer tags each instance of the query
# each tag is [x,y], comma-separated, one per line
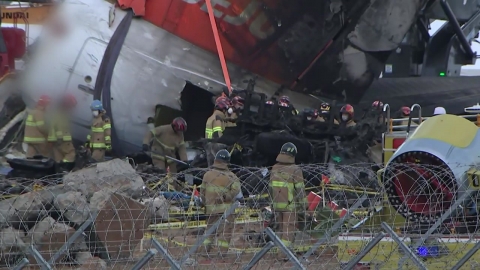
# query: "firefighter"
[287,191]
[325,112]
[234,111]
[36,131]
[310,117]
[214,129]
[404,113]
[346,114]
[60,131]
[166,141]
[219,189]
[99,140]
[216,122]
[377,111]
[284,102]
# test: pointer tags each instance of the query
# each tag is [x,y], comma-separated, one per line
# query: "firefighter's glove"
[108,149]
[146,147]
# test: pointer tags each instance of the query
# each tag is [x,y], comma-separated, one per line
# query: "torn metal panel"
[384,24]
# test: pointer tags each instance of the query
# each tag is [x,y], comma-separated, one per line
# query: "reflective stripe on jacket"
[60,128]
[287,188]
[215,125]
[166,142]
[35,128]
[99,136]
[219,188]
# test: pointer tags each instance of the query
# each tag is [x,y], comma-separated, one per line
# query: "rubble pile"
[101,196]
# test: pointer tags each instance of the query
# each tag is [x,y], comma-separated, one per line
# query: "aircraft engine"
[432,168]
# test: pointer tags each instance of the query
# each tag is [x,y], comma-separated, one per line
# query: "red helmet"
[179,124]
[405,110]
[377,103]
[221,105]
[348,109]
[223,99]
[285,99]
[44,100]
[69,100]
[237,100]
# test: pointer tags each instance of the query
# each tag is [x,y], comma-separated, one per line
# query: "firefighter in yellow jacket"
[234,111]
[165,141]
[36,130]
[347,113]
[214,128]
[216,122]
[99,140]
[219,189]
[287,191]
[60,131]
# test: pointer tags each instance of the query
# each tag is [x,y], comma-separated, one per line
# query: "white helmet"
[439,110]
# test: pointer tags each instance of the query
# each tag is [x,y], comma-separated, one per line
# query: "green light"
[442,74]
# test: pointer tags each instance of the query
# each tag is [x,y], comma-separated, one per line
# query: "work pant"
[211,149]
[35,149]
[64,152]
[221,237]
[287,223]
[98,154]
[161,164]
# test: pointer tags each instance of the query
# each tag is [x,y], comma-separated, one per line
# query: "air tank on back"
[430,170]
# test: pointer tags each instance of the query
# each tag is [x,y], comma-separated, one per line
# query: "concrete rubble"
[46,219]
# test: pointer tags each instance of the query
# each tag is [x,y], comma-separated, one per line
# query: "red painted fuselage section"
[247,35]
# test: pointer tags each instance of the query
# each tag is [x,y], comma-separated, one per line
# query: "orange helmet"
[348,109]
[69,100]
[44,100]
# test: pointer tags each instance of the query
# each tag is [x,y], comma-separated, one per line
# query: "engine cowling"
[429,171]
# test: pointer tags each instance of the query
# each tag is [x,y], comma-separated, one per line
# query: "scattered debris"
[47,218]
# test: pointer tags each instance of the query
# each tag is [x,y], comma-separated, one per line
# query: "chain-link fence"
[111,216]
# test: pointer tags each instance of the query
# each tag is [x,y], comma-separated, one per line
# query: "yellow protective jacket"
[215,125]
[219,188]
[100,135]
[287,187]
[228,123]
[60,128]
[36,130]
[166,142]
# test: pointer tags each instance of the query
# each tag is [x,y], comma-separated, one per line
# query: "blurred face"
[345,116]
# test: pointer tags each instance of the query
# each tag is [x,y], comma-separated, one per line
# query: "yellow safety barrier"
[300,248]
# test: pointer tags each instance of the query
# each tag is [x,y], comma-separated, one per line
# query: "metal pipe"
[145,259]
[24,262]
[386,108]
[410,116]
[259,255]
[351,264]
[403,246]
[457,29]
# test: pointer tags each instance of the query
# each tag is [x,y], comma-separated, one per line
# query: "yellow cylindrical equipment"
[429,170]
